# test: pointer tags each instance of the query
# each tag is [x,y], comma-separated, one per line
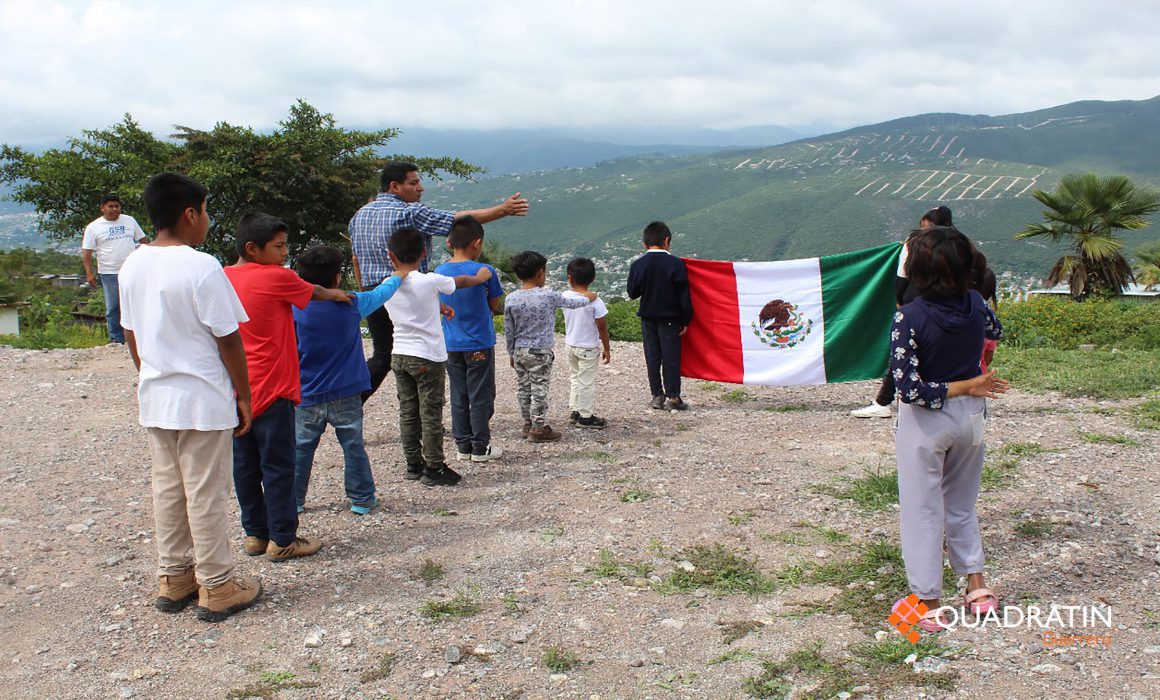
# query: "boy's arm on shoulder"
[369,302]
[480,277]
[326,294]
[569,302]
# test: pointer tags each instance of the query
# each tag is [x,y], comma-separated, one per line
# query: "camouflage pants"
[420,385]
[533,377]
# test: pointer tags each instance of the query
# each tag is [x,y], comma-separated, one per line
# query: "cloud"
[65,66]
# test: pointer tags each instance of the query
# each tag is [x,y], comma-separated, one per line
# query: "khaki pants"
[192,484]
[584,363]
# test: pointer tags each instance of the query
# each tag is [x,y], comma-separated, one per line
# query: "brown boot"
[298,547]
[527,428]
[176,592]
[544,434]
[217,603]
[255,546]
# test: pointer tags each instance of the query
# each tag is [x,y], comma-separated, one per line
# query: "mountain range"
[827,194]
[593,191]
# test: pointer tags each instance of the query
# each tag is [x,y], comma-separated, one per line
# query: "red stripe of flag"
[711,349]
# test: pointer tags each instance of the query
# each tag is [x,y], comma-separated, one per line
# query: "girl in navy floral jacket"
[936,343]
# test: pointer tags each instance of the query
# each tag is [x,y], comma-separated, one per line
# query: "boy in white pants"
[585,334]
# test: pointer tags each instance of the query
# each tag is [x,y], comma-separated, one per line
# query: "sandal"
[990,601]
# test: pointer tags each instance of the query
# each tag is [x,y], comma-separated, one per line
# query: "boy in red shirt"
[264,458]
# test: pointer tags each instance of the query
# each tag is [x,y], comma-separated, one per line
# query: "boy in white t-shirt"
[419,356]
[585,333]
[181,318]
[111,237]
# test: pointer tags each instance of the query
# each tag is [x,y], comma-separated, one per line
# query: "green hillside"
[833,193]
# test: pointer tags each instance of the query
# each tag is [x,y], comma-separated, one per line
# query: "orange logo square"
[908,613]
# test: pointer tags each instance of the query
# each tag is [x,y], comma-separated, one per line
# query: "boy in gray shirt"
[529,321]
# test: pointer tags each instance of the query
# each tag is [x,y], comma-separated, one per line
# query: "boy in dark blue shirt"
[658,278]
[334,375]
[470,338]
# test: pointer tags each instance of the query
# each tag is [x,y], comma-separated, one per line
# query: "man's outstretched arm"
[514,205]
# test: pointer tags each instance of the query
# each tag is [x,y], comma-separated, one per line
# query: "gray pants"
[940,462]
[533,379]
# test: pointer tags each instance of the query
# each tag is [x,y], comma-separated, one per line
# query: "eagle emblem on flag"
[781,325]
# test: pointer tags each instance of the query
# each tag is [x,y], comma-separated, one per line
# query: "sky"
[72,65]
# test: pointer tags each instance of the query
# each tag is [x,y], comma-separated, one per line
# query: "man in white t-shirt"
[112,237]
[419,358]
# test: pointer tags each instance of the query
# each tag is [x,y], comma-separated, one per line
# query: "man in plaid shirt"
[397,206]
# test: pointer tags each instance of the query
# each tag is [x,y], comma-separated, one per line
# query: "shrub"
[1059,322]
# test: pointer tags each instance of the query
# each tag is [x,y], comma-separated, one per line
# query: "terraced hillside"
[833,193]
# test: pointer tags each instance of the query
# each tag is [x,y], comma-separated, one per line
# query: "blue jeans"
[264,475]
[346,415]
[111,290]
[472,379]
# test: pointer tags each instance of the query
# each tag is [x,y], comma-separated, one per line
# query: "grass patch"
[1022,449]
[609,566]
[1099,374]
[1148,415]
[560,660]
[636,496]
[511,603]
[998,473]
[463,604]
[789,408]
[1109,439]
[879,561]
[380,671]
[735,396]
[58,335]
[430,572]
[1034,528]
[270,684]
[717,568]
[445,513]
[807,533]
[551,534]
[738,654]
[740,518]
[876,489]
[878,664]
[732,631]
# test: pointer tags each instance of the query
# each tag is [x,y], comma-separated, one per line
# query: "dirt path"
[1071,520]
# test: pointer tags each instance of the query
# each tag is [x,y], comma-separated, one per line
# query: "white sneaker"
[462,456]
[492,453]
[874,410]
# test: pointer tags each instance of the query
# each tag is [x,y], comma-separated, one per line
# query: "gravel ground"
[521,537]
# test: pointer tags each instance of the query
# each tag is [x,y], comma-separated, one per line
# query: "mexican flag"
[790,322]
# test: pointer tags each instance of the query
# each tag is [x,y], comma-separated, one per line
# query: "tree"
[1148,264]
[308,172]
[1085,211]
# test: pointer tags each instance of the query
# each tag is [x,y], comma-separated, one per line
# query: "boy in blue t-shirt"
[470,338]
[334,375]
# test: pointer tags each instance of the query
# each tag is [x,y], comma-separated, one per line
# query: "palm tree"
[1148,265]
[1085,211]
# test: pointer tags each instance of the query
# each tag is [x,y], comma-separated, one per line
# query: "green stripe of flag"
[858,302]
